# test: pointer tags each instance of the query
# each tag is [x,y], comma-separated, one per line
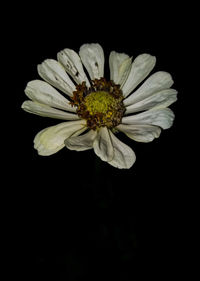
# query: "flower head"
[96,108]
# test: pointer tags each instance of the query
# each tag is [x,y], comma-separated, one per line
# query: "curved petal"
[102,145]
[54,73]
[92,57]
[42,92]
[51,140]
[161,99]
[159,117]
[140,69]
[140,133]
[120,66]
[81,143]
[123,156]
[72,64]
[47,111]
[159,81]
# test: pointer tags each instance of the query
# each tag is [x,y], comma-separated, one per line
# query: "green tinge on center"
[99,102]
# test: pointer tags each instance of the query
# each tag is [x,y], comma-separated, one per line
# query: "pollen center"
[101,104]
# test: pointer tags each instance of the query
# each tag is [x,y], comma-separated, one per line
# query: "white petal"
[158,81]
[140,133]
[141,67]
[79,132]
[54,73]
[42,92]
[161,99]
[83,142]
[92,57]
[72,64]
[102,145]
[159,117]
[51,140]
[120,66]
[124,157]
[47,111]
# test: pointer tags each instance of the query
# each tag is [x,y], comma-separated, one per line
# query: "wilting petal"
[83,142]
[102,145]
[123,156]
[54,73]
[140,133]
[92,57]
[42,92]
[47,111]
[72,64]
[141,67]
[161,99]
[159,117]
[51,140]
[157,82]
[120,66]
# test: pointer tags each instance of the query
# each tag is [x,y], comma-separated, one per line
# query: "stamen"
[101,104]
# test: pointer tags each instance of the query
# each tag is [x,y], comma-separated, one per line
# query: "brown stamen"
[101,104]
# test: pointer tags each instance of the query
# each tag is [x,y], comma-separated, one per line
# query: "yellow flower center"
[101,104]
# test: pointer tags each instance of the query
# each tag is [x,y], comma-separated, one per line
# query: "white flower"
[96,109]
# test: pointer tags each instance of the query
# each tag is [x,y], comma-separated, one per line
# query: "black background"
[73,217]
